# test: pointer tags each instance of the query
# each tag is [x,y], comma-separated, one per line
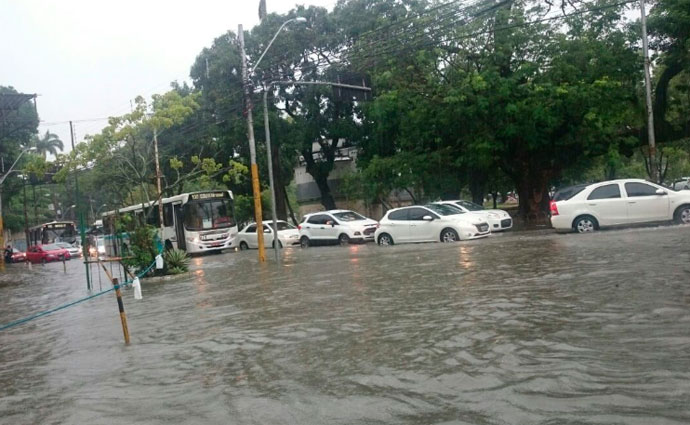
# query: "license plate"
[216,244]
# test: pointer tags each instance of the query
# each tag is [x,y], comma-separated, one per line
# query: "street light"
[256,190]
[2,180]
[267,87]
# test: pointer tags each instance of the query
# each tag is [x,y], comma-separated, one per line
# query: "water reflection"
[512,330]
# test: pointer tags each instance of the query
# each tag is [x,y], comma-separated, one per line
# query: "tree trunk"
[326,198]
[287,202]
[477,186]
[533,190]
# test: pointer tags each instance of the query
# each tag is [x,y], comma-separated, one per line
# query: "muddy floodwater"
[520,328]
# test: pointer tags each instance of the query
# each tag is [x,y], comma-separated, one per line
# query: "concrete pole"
[648,95]
[158,184]
[252,151]
[276,241]
[82,225]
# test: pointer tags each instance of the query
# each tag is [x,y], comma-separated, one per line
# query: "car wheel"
[449,235]
[304,242]
[585,224]
[343,239]
[280,244]
[243,246]
[43,261]
[385,239]
[682,215]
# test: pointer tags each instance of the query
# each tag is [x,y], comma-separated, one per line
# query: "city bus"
[55,231]
[196,222]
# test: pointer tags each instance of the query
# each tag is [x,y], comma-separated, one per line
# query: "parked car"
[46,253]
[429,223]
[498,220]
[586,208]
[682,184]
[335,226]
[15,256]
[74,251]
[288,235]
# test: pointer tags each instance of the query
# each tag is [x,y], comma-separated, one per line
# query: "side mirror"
[428,218]
[330,223]
[660,192]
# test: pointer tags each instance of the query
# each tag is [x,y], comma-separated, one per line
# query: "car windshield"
[470,206]
[566,193]
[282,225]
[51,247]
[348,216]
[443,209]
[63,245]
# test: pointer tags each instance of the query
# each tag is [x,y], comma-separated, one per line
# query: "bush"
[176,261]
[142,248]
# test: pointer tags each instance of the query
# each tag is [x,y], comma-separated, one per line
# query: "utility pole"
[2,231]
[654,171]
[82,226]
[252,150]
[158,183]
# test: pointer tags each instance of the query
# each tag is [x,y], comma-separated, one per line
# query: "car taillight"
[553,207]
[378,225]
[299,227]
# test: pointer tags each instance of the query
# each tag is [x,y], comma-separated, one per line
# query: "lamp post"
[256,189]
[2,180]
[267,87]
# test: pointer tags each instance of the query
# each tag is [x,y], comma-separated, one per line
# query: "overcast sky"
[87,59]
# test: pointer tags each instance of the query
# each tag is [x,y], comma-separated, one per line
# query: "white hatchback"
[247,238]
[429,223]
[498,220]
[585,208]
[335,226]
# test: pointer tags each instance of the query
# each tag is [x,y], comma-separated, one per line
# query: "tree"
[49,143]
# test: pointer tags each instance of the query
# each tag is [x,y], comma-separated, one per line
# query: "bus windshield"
[208,214]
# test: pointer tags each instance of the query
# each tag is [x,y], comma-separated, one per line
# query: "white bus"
[195,222]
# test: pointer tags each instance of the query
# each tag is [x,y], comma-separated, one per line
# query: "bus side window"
[168,215]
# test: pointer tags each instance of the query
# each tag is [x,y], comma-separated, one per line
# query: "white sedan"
[247,238]
[585,208]
[429,223]
[498,220]
[74,251]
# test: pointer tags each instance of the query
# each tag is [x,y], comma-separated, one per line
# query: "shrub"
[142,248]
[176,261]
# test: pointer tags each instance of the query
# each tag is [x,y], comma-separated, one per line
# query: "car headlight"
[493,215]
[294,236]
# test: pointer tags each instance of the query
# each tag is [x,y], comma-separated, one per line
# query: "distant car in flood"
[498,220]
[586,208]
[247,238]
[15,256]
[335,227]
[74,251]
[46,253]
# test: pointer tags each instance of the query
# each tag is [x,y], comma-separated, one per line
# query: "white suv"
[585,208]
[335,226]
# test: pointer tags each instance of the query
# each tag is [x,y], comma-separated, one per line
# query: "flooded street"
[520,328]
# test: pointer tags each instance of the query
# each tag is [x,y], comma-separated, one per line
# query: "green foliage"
[176,261]
[142,248]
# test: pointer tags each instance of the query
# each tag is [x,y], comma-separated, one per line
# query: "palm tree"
[50,143]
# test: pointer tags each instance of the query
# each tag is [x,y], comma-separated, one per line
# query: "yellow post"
[258,213]
[121,307]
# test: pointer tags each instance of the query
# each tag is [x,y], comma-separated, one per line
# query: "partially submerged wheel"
[682,215]
[343,239]
[585,224]
[449,235]
[385,239]
[243,246]
[280,244]
[304,242]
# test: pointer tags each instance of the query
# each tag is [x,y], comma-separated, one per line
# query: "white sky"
[87,59]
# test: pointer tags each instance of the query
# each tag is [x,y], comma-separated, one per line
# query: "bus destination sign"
[208,195]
